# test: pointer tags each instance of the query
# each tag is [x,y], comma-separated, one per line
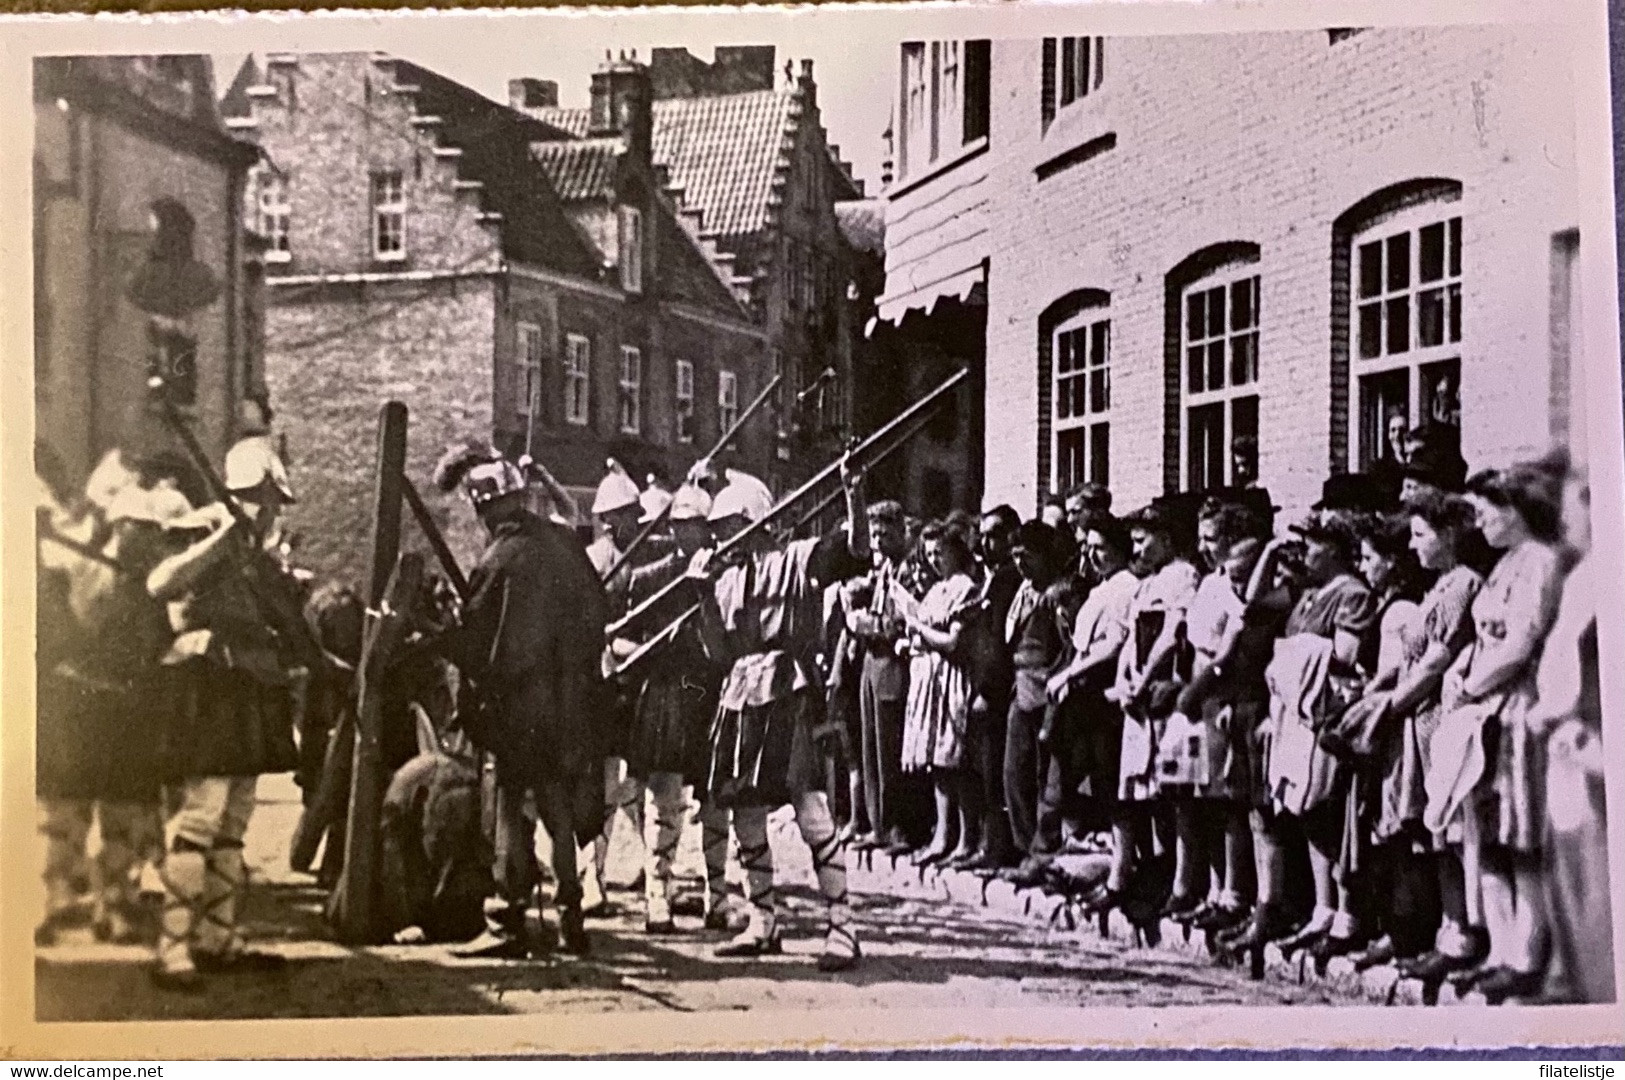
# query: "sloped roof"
[580,169]
[863,223]
[722,152]
[495,141]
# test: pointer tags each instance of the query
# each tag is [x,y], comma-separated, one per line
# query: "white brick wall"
[1268,138]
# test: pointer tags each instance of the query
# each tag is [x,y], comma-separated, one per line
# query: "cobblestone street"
[918,953]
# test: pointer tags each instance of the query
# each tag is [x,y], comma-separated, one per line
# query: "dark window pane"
[1215,312]
[1069,75]
[1084,56]
[1215,365]
[1244,418]
[1455,247]
[1195,315]
[1455,313]
[1241,304]
[1063,399]
[1432,253]
[1080,397]
[1399,325]
[1207,450]
[1195,377]
[1100,454]
[1243,359]
[1399,262]
[1069,457]
[1430,317]
[1098,401]
[1370,331]
[1100,343]
[1063,353]
[1106,377]
[1370,269]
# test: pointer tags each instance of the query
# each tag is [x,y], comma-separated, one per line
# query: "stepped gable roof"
[723,152]
[495,141]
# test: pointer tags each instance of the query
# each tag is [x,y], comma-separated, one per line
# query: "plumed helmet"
[654,502]
[482,472]
[745,497]
[616,491]
[253,462]
[690,503]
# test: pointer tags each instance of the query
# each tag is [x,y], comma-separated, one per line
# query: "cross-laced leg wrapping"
[662,828]
[762,934]
[184,872]
[828,846]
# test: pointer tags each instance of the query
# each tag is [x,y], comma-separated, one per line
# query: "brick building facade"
[747,164]
[420,250]
[1290,236]
[119,143]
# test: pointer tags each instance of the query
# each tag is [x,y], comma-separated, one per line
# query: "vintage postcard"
[1065,525]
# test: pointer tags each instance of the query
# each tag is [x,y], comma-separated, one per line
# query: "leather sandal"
[831,962]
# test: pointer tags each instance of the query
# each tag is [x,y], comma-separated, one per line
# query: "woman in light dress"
[940,692]
[1486,776]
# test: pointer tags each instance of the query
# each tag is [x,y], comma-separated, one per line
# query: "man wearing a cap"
[617,507]
[674,692]
[99,703]
[762,619]
[232,720]
[531,639]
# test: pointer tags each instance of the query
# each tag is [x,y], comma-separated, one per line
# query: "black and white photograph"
[1056,525]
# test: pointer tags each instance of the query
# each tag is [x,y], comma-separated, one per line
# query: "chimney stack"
[621,93]
[533,94]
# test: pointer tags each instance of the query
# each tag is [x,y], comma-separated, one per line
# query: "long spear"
[876,438]
[672,628]
[721,444]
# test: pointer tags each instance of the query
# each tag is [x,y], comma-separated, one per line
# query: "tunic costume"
[762,751]
[939,688]
[230,720]
[1160,603]
[677,700]
[532,639]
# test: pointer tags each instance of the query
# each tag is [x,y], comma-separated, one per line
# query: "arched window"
[1211,364]
[1397,303]
[1082,349]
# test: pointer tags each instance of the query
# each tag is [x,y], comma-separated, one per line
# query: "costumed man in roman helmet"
[675,693]
[101,637]
[232,719]
[531,639]
[762,619]
[618,508]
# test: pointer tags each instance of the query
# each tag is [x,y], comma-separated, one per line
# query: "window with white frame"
[1082,367]
[631,390]
[273,213]
[1073,68]
[949,102]
[631,249]
[685,401]
[388,215]
[529,341]
[1405,325]
[727,400]
[914,150]
[577,365]
[1219,384]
